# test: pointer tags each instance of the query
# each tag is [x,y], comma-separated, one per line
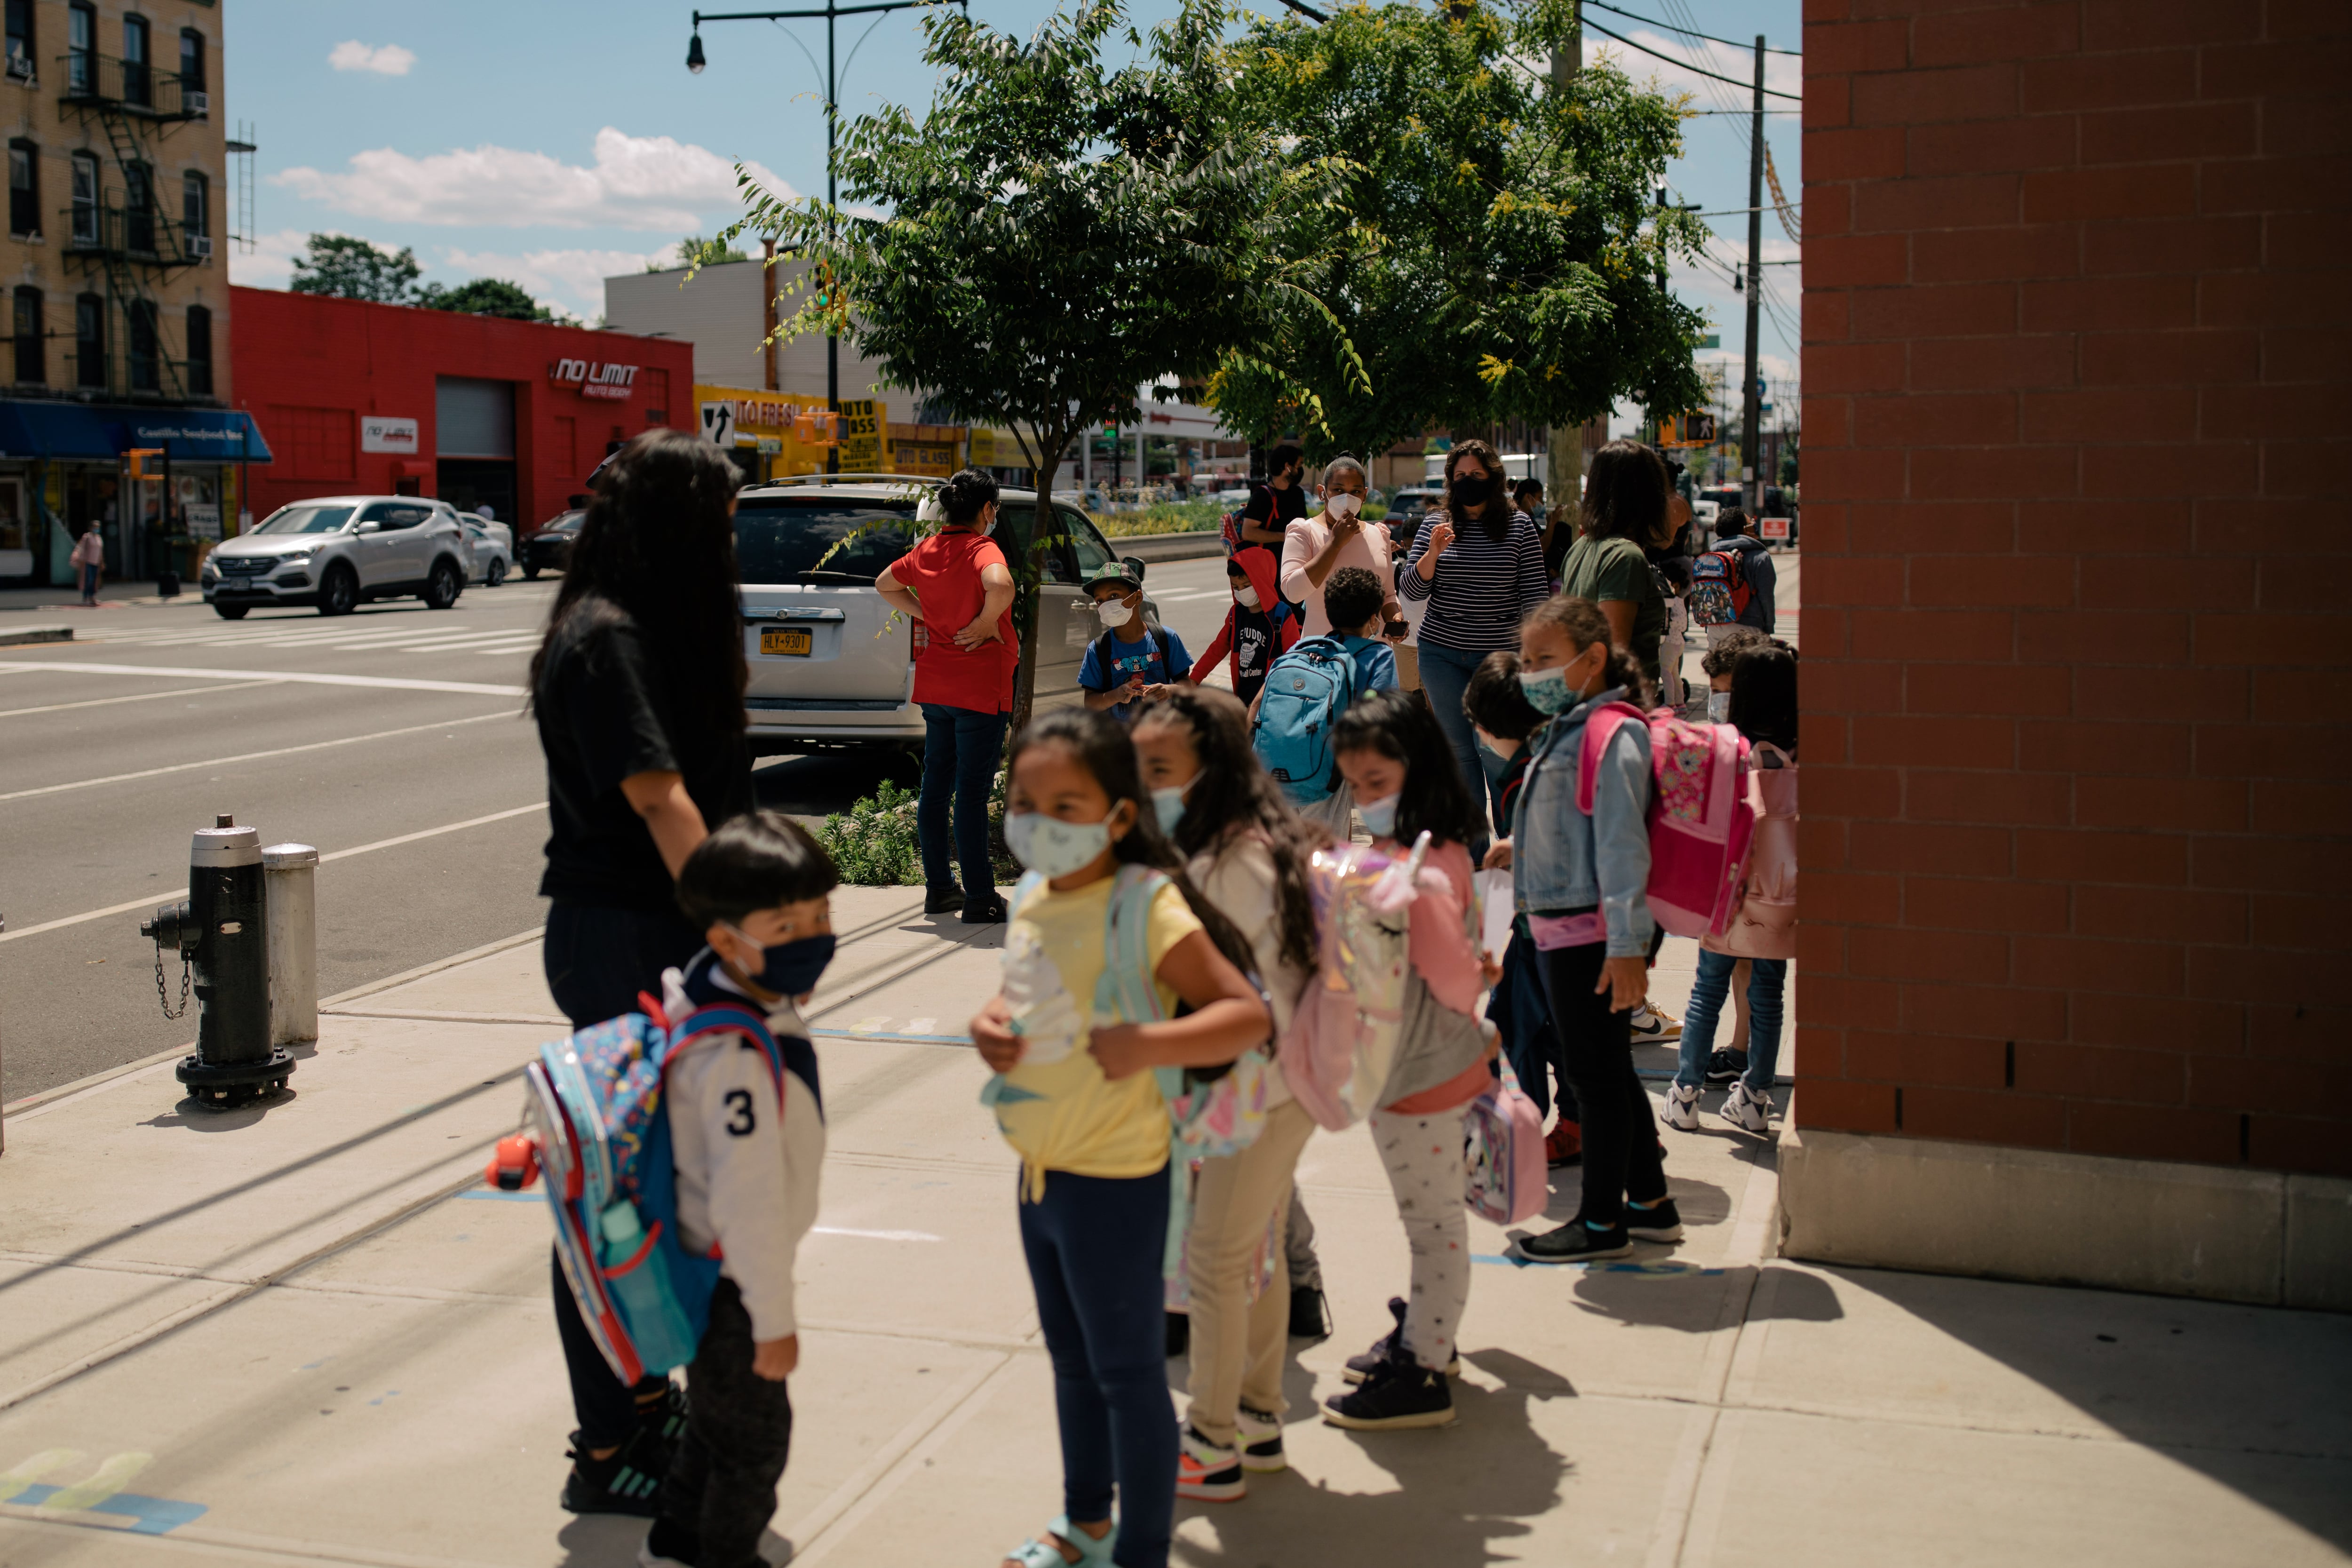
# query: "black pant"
[1620,1132]
[739,1431]
[597,959]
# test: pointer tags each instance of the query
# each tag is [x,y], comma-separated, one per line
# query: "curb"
[16,635]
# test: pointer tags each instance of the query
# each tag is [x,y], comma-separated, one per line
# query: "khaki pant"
[1238,1344]
[1408,657]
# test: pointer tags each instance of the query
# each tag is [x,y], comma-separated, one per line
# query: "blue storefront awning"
[31,429]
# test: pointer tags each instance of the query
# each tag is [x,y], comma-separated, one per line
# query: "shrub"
[872,843]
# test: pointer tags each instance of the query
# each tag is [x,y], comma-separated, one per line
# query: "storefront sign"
[861,437]
[203,520]
[593,378]
[1773,526]
[379,434]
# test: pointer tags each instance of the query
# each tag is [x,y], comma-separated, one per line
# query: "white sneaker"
[1651,1026]
[1746,1109]
[1682,1108]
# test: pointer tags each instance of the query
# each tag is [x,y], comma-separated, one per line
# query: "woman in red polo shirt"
[964,681]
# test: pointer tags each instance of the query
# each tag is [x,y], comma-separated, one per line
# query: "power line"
[1685,65]
[1710,37]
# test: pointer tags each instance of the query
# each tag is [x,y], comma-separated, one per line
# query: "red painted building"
[393,399]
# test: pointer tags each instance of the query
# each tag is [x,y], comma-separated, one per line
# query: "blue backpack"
[1307,689]
[601,1132]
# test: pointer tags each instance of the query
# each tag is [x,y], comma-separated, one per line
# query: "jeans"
[1445,675]
[1093,1247]
[1520,1013]
[1621,1131]
[1765,984]
[960,749]
[88,581]
[739,1431]
[597,959]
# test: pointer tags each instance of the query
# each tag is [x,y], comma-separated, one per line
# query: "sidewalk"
[305,1334]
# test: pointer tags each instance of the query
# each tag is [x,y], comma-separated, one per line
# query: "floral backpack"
[1700,814]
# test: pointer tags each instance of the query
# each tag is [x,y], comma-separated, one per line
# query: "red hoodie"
[1262,567]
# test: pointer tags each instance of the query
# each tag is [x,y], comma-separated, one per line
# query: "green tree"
[349,267]
[485,297]
[1496,251]
[693,250]
[1055,232]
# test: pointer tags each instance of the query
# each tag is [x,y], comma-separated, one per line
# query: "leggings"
[1424,1156]
[1093,1246]
[1620,1131]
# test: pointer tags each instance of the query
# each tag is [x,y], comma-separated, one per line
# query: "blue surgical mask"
[791,968]
[1168,804]
[1052,848]
[1379,816]
[1546,690]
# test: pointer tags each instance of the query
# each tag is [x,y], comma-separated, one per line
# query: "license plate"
[786,642]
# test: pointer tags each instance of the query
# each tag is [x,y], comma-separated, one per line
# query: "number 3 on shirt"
[742,1123]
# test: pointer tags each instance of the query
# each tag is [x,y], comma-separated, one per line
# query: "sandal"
[1042,1553]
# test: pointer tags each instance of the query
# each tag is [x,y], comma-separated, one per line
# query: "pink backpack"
[1343,1037]
[1504,1167]
[1764,925]
[1700,815]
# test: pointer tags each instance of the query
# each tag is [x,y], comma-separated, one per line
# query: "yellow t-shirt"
[1064,1115]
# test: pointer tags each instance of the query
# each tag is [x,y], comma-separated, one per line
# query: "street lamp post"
[695,62]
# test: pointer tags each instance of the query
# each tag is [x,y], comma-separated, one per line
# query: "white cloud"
[637,182]
[271,263]
[1782,73]
[383,59]
[568,280]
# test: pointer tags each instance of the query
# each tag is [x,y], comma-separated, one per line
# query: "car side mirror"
[1135,568]
[369,527]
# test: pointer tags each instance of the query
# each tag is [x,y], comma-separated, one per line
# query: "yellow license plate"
[791,642]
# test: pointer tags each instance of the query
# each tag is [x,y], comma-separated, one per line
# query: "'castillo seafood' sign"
[593,378]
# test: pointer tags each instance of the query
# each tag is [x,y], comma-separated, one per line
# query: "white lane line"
[874,1235]
[252,756]
[150,901]
[306,678]
[142,696]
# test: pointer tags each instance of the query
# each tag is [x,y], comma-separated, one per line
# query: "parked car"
[489,550]
[832,664]
[549,549]
[336,551]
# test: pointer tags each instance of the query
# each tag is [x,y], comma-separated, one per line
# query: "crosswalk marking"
[343,636]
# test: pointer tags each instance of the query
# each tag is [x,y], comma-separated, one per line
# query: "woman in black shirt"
[638,693]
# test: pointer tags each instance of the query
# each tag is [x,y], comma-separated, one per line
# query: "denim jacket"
[1563,860]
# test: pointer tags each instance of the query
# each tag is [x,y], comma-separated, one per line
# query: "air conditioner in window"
[200,245]
[197,102]
[20,68]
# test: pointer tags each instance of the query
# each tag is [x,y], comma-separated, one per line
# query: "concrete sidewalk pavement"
[304,1334]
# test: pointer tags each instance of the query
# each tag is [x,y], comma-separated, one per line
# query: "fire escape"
[124,231]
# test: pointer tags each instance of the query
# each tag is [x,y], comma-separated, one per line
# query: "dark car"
[549,549]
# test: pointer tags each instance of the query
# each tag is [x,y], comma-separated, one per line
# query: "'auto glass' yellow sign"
[862,437]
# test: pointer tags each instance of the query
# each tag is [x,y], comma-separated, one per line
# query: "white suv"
[335,551]
[832,664]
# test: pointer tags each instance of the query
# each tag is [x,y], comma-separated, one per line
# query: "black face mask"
[1468,492]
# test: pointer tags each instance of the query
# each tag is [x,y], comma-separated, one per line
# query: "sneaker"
[1651,1025]
[940,903]
[668,1545]
[1179,1334]
[1681,1109]
[1746,1109]
[1660,1221]
[1261,1442]
[1398,1395]
[1310,1315]
[627,1480]
[1389,1347]
[1576,1241]
[1206,1471]
[985,912]
[1564,1144]
[665,1416]
[1725,1066]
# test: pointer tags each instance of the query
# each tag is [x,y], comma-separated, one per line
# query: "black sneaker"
[669,1544]
[1725,1066]
[1660,1221]
[1576,1241]
[1389,1348]
[1310,1316]
[627,1480]
[988,912]
[940,903]
[1396,1394]
[665,1415]
[1179,1333]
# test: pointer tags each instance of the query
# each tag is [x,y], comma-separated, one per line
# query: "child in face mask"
[1134,661]
[747,1149]
[1258,628]
[1074,1100]
[1394,758]
[1716,666]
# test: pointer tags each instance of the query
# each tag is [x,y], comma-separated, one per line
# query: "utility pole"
[1564,447]
[1750,454]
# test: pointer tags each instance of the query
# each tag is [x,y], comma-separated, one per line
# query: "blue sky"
[555,142]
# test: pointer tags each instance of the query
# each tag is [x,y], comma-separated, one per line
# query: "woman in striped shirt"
[1479,564]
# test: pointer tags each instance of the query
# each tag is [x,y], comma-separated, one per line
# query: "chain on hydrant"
[162,995]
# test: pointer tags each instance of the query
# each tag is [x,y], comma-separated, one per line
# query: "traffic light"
[141,457]
[1693,429]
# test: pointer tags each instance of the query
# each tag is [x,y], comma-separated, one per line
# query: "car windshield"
[568,523]
[304,519]
[819,539]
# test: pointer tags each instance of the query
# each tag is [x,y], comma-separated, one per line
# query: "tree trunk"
[1048,461]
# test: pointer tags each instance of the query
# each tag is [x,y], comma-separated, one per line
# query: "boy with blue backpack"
[1308,688]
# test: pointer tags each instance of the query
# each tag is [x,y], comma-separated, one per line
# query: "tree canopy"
[485,297]
[349,267]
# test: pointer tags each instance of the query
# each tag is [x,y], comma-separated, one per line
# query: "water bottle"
[636,1275]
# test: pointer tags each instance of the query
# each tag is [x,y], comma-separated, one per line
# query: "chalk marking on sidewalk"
[874,1235]
[142,696]
[303,678]
[167,896]
[252,756]
[848,1505]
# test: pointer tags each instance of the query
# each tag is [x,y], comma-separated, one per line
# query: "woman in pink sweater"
[88,559]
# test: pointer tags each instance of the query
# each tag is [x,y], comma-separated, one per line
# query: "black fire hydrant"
[223,933]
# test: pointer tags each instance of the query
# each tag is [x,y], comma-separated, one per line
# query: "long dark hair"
[657,547]
[1581,622]
[1434,800]
[1625,494]
[1232,794]
[1104,749]
[1764,696]
[1495,521]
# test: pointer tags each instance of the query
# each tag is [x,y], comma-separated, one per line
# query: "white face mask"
[1246,598]
[1340,505]
[1114,613]
[1718,706]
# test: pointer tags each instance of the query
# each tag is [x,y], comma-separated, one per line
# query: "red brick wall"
[2076,327]
[307,367]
